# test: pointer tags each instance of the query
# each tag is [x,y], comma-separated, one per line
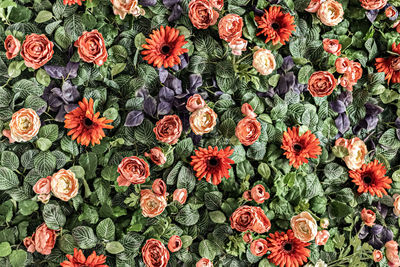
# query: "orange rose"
[378,255]
[368,217]
[392,253]
[230,27]
[238,45]
[123,7]
[168,129]
[201,14]
[195,102]
[218,4]
[156,155]
[64,185]
[313,6]
[343,64]
[396,25]
[43,188]
[180,195]
[36,50]
[258,194]
[132,170]
[247,238]
[155,254]
[174,243]
[396,205]
[262,223]
[357,151]
[248,130]
[247,195]
[203,262]
[42,241]
[264,61]
[250,218]
[330,13]
[390,12]
[356,71]
[203,120]
[259,247]
[24,125]
[151,204]
[332,46]
[322,237]
[159,187]
[248,111]
[321,83]
[12,46]
[92,48]
[304,226]
[373,4]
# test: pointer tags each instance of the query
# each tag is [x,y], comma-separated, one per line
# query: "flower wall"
[199,133]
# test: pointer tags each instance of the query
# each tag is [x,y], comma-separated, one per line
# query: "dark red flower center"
[297,147]
[275,26]
[213,162]
[367,179]
[287,247]
[88,122]
[165,49]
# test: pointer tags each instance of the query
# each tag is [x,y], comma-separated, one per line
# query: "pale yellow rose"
[304,226]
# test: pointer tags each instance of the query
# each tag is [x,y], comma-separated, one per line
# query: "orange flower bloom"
[64,184]
[79,260]
[174,243]
[212,163]
[321,83]
[12,46]
[180,195]
[86,126]
[42,241]
[152,204]
[164,47]
[250,218]
[371,178]
[155,254]
[71,2]
[24,125]
[332,46]
[276,25]
[258,194]
[378,255]
[168,129]
[92,48]
[322,237]
[287,250]
[300,148]
[248,130]
[368,217]
[259,247]
[373,4]
[36,50]
[204,262]
[230,27]
[390,65]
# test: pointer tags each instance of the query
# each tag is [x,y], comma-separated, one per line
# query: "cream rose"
[330,13]
[203,120]
[264,61]
[24,125]
[304,226]
[396,205]
[64,184]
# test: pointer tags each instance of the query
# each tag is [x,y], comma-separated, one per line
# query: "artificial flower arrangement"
[200,133]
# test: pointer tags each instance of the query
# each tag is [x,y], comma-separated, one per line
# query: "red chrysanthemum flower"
[300,147]
[71,2]
[276,25]
[79,260]
[286,250]
[212,163]
[164,47]
[371,178]
[390,65]
[86,126]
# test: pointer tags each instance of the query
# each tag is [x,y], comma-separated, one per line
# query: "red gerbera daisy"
[164,47]
[212,163]
[86,126]
[79,260]
[371,178]
[287,250]
[71,2]
[300,147]
[390,65]
[276,25]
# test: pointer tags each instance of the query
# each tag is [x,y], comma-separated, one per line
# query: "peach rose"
[396,205]
[264,61]
[357,150]
[322,237]
[377,255]
[248,111]
[248,130]
[64,185]
[203,262]
[218,4]
[7,133]
[43,188]
[203,120]
[195,102]
[356,71]
[36,50]
[313,6]
[259,247]
[155,254]
[258,194]
[180,195]
[262,223]
[42,241]
[174,243]
[156,155]
[250,218]
[201,14]
[168,129]
[343,64]
[12,46]
[151,204]
[396,26]
[92,48]
[330,13]
[230,27]
[324,223]
[391,12]
[24,125]
[247,195]
[332,46]
[238,45]
[373,4]
[321,83]
[247,238]
[304,226]
[159,187]
[392,253]
[44,198]
[368,217]
[132,170]
[123,7]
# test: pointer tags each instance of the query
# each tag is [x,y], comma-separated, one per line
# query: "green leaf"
[67,243]
[18,258]
[53,216]
[45,163]
[27,207]
[42,77]
[340,209]
[8,179]
[73,26]
[89,162]
[305,73]
[264,170]
[186,179]
[43,144]
[84,237]
[114,247]
[5,249]
[106,229]
[9,160]
[208,249]
[43,16]
[184,147]
[139,40]
[69,145]
[329,129]
[217,216]
[61,38]
[187,217]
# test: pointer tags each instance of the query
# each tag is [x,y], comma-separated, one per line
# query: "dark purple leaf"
[60,117]
[342,123]
[134,118]
[387,235]
[162,74]
[70,93]
[70,107]
[142,92]
[55,102]
[375,242]
[376,229]
[146,3]
[287,64]
[170,3]
[72,69]
[372,109]
[55,72]
[371,15]
[338,106]
[286,83]
[175,13]
[166,94]
[397,122]
[164,108]
[175,84]
[150,106]
[346,97]
[364,232]
[195,81]
[398,133]
[371,122]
